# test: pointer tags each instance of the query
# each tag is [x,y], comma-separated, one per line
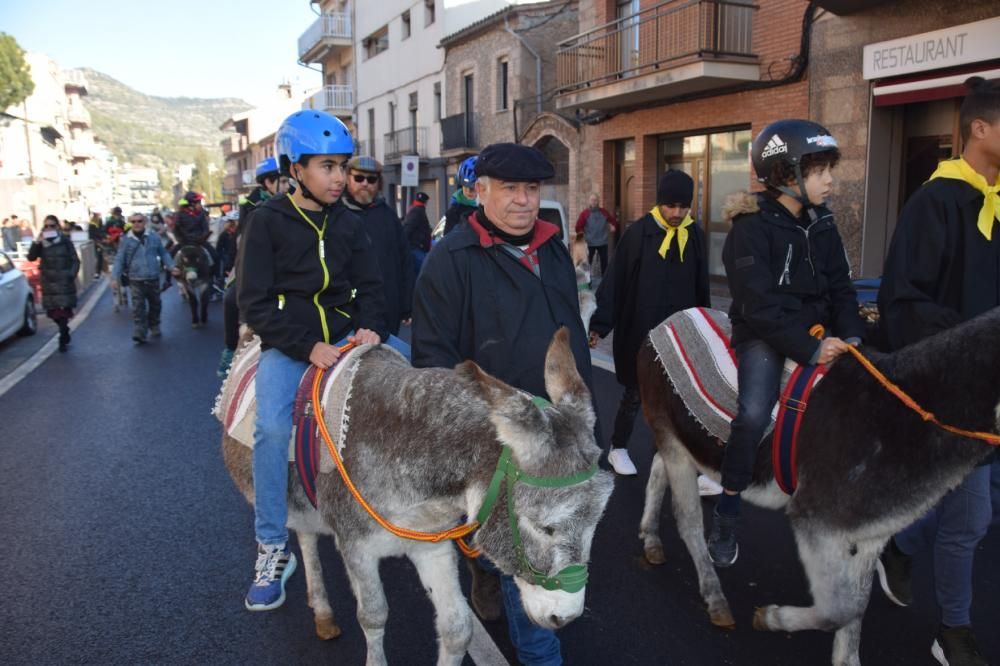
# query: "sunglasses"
[358,178]
[50,226]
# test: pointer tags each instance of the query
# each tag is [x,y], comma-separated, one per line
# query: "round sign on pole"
[410,171]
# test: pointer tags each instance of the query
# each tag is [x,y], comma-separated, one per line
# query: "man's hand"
[830,349]
[176,272]
[323,356]
[114,284]
[363,336]
[594,338]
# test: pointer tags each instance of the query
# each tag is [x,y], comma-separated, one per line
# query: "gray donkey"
[423,451]
[867,467]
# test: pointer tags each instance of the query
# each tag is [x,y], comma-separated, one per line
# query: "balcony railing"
[336,99]
[646,41]
[78,115]
[459,131]
[75,79]
[408,141]
[331,27]
[81,149]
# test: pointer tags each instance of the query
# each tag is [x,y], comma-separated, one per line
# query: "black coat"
[59,266]
[248,204]
[641,289]
[191,228]
[940,269]
[395,261]
[417,228]
[281,271]
[473,300]
[785,277]
[455,215]
[225,247]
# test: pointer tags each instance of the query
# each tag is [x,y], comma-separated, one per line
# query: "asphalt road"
[127,543]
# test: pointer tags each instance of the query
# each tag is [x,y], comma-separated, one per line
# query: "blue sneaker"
[225,361]
[275,565]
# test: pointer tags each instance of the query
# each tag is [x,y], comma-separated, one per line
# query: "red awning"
[929,86]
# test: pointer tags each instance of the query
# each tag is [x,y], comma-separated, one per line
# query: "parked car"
[17,301]
[548,210]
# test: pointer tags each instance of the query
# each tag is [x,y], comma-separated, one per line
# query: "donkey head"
[550,492]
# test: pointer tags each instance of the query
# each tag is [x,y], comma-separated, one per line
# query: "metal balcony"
[673,48]
[330,31]
[458,133]
[408,141]
[75,79]
[77,115]
[336,99]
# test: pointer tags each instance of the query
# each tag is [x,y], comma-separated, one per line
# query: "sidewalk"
[16,350]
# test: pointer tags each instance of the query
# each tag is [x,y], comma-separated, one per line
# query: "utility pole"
[31,169]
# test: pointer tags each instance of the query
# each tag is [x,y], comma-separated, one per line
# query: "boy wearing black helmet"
[787,270]
[943,268]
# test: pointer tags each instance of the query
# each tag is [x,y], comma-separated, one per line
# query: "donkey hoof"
[326,628]
[722,618]
[760,622]
[655,555]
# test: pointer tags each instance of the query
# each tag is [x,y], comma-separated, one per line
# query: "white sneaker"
[621,462]
[707,487]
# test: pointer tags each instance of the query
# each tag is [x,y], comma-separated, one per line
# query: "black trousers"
[602,252]
[231,318]
[625,418]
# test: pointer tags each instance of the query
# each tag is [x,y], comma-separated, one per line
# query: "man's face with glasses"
[363,186]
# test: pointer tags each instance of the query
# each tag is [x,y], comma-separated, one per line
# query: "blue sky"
[204,48]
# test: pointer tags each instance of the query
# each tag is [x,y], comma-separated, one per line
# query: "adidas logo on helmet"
[774,147]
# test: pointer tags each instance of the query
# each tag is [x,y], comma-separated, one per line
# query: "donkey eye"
[549,530]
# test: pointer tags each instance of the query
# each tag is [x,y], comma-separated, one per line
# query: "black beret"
[421,197]
[513,162]
[675,187]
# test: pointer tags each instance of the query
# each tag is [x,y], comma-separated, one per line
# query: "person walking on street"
[594,223]
[463,201]
[59,265]
[11,234]
[364,180]
[495,291]
[116,219]
[788,271]
[943,268]
[140,261]
[417,229]
[659,268]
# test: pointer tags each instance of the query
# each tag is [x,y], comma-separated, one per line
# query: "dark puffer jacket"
[59,266]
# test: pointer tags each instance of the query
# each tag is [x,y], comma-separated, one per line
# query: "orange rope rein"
[456,533]
[988,437]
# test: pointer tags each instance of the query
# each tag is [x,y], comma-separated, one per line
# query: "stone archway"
[559,139]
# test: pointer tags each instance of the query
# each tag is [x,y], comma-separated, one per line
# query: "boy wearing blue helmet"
[308,281]
[463,201]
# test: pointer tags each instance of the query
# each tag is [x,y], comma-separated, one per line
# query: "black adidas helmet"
[788,141]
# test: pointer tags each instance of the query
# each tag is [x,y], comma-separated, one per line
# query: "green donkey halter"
[572,578]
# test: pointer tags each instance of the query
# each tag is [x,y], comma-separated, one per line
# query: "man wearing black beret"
[495,290]
[659,267]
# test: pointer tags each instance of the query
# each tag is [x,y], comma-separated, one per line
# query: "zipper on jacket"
[321,250]
[786,275]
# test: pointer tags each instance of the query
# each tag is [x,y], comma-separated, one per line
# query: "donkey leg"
[361,560]
[326,628]
[840,571]
[649,526]
[193,304]
[206,296]
[691,526]
[438,571]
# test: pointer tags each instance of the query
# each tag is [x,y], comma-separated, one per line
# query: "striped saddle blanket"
[693,348]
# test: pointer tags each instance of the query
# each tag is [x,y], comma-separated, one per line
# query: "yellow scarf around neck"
[680,231]
[961,170]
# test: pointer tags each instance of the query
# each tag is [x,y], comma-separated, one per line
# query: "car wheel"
[30,326]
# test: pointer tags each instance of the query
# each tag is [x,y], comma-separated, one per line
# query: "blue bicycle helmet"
[267,167]
[467,172]
[310,132]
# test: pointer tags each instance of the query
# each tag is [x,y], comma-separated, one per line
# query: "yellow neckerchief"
[680,230]
[961,170]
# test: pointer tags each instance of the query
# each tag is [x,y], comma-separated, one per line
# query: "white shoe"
[621,462]
[707,487]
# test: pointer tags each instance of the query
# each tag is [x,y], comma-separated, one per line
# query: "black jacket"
[394,258]
[191,228]
[641,289]
[281,271]
[225,247]
[417,228]
[455,215]
[473,300]
[248,204]
[940,269]
[785,277]
[59,265]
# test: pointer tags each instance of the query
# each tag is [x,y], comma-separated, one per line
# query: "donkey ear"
[518,422]
[562,380]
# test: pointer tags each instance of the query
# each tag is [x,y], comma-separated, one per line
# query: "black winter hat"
[513,162]
[674,187]
[421,197]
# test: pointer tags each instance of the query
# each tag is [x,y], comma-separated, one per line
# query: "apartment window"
[376,42]
[428,12]
[392,117]
[413,109]
[502,85]
[437,101]
[406,24]
[371,131]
